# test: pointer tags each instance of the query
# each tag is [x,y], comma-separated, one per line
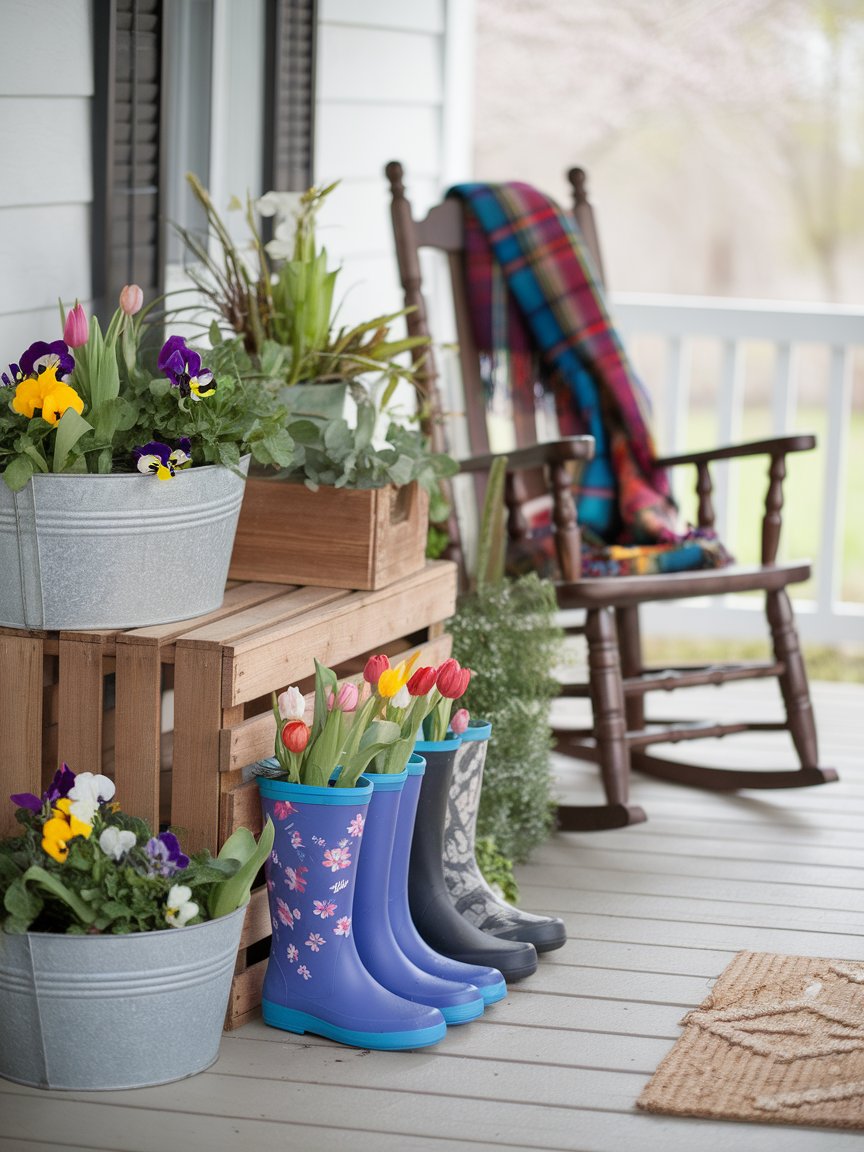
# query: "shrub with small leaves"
[506,632]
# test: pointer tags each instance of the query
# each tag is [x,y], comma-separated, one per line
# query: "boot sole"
[462,1013]
[290,1020]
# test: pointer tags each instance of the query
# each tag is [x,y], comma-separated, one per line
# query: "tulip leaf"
[241,846]
[70,428]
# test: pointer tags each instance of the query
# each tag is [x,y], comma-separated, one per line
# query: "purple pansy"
[182,366]
[165,854]
[154,458]
[160,460]
[64,780]
[42,355]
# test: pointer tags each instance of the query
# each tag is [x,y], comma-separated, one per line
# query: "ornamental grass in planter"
[122,480]
[347,504]
[117,950]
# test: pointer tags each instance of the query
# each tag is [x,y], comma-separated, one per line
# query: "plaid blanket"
[538,311]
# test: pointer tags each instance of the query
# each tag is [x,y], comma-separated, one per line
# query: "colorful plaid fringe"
[537,310]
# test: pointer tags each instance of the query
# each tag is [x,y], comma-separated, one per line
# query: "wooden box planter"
[336,537]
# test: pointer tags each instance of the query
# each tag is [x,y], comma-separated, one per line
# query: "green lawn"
[803,492]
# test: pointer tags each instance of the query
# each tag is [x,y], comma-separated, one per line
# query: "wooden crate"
[335,538]
[101,699]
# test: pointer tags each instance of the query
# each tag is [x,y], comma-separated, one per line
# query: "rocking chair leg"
[610,730]
[793,682]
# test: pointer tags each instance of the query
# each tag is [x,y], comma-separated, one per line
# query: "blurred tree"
[731,128]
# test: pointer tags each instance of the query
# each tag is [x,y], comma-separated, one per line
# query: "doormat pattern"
[779,1040]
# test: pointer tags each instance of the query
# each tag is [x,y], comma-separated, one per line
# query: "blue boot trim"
[462,1013]
[492,993]
[290,1020]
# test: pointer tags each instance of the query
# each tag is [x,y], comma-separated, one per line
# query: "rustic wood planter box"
[335,537]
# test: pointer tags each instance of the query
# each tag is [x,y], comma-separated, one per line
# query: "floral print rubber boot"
[469,891]
[315,980]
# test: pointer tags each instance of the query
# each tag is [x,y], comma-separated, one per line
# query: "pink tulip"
[347,697]
[131,299]
[76,330]
[460,720]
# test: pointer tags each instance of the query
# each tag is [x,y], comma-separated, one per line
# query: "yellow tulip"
[392,680]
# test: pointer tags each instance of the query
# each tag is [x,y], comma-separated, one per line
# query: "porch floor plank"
[654,913]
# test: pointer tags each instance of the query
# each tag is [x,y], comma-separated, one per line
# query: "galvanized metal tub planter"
[88,1013]
[116,551]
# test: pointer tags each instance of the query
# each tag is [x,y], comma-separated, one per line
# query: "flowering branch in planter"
[81,865]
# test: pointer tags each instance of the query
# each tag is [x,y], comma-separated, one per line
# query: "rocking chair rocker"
[618,680]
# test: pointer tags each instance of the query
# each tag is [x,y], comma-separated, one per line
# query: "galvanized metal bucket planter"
[99,1012]
[116,551]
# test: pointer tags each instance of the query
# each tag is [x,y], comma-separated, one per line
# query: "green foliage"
[497,869]
[506,633]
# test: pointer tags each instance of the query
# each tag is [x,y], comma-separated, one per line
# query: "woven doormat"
[780,1039]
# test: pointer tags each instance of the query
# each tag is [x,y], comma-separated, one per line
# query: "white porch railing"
[664,335]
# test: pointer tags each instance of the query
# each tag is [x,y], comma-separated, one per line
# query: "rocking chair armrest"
[535,456]
[775,446]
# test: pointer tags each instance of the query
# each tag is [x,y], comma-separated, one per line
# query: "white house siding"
[46,86]
[388,88]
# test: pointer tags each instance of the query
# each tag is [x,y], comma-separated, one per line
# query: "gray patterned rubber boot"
[471,894]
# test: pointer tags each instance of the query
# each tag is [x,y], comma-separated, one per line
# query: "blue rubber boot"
[315,980]
[378,949]
[488,980]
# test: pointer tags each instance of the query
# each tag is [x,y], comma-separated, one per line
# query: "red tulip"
[295,735]
[422,682]
[375,665]
[453,679]
[131,299]
[76,330]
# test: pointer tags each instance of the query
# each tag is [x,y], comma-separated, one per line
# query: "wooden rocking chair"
[618,680]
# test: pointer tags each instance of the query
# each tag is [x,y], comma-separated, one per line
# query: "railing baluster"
[677,403]
[783,395]
[728,426]
[829,566]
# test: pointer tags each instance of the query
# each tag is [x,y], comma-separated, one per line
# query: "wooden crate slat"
[197,722]
[283,607]
[256,925]
[286,652]
[79,703]
[21,674]
[137,730]
[237,597]
[245,1001]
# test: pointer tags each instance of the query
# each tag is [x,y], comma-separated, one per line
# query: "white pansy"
[116,842]
[180,908]
[292,704]
[87,793]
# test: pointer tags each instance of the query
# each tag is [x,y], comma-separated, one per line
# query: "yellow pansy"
[392,680]
[56,402]
[27,398]
[60,829]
